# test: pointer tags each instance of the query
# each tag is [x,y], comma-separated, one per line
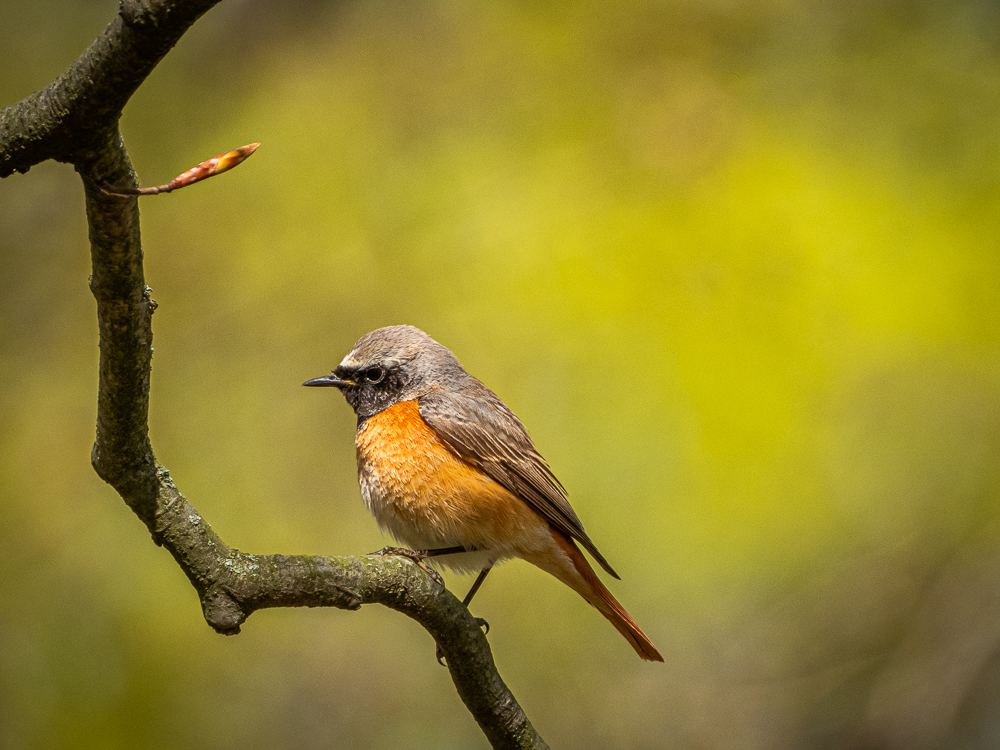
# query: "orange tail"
[579,576]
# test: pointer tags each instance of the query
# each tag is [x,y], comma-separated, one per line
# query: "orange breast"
[428,497]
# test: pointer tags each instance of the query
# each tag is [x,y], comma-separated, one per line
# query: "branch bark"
[75,120]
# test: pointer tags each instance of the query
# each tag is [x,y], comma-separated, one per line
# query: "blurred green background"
[734,264]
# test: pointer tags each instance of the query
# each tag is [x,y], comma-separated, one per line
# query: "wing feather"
[480,429]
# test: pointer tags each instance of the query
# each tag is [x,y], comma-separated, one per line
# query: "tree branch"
[75,120]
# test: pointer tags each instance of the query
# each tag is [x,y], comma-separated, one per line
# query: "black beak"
[328,381]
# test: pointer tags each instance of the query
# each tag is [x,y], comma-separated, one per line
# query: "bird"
[449,471]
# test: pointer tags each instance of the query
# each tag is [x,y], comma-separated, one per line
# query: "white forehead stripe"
[349,361]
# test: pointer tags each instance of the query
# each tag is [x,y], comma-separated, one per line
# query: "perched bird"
[449,471]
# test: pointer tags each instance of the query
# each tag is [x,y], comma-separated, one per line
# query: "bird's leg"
[481,622]
[419,555]
[475,588]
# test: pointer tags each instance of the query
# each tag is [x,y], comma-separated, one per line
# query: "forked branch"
[75,120]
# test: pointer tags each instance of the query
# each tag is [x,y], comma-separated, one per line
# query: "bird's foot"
[418,556]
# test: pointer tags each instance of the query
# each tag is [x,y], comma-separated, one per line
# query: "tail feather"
[580,577]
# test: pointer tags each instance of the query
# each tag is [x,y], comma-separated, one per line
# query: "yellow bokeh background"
[733,264]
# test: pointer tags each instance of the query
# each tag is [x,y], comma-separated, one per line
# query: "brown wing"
[480,429]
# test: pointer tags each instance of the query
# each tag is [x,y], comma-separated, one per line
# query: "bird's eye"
[374,374]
